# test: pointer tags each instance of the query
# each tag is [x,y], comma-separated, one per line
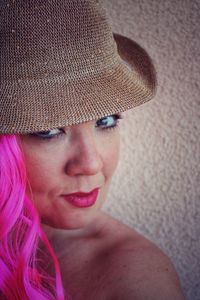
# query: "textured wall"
[156,188]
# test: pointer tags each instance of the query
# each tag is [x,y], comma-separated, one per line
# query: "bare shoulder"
[140,270]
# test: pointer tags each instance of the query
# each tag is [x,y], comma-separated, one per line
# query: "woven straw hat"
[61,64]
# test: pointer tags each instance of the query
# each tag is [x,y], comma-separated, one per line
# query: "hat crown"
[60,65]
[44,38]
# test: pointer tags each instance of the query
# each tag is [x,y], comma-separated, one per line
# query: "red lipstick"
[81,199]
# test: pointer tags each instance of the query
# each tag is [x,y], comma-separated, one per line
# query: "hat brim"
[128,84]
[137,59]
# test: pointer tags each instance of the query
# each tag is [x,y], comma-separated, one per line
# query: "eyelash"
[116,118]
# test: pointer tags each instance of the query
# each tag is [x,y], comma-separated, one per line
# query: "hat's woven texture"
[59,66]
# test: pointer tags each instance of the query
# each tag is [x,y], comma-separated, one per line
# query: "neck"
[94,228]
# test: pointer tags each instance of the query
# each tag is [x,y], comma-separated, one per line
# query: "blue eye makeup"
[105,123]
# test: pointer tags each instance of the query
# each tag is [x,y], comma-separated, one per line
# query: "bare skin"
[111,261]
[100,258]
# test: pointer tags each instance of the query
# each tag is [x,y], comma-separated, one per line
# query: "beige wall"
[156,188]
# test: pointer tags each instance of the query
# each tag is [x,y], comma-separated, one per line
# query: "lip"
[81,199]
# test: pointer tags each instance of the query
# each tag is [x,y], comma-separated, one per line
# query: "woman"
[63,88]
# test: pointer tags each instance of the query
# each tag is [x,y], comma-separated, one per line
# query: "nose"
[86,156]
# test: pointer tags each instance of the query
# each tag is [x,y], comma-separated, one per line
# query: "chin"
[71,222]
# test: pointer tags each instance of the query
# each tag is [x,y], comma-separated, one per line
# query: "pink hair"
[21,277]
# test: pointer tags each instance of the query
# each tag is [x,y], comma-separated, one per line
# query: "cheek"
[36,175]
[40,173]
[111,156]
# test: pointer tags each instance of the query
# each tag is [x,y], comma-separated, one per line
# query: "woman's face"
[78,158]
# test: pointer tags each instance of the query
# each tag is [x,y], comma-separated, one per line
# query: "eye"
[104,123]
[50,134]
[108,122]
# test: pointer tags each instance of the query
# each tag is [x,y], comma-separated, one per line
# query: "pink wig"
[21,276]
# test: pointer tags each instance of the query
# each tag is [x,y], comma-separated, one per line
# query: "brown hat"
[60,64]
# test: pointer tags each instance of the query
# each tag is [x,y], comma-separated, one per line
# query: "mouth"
[81,199]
